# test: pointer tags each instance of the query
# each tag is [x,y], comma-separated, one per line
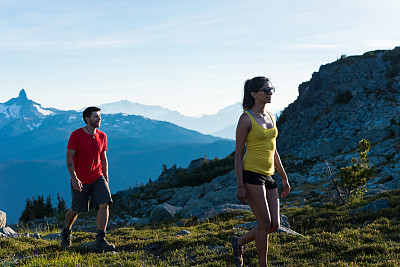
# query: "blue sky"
[189,56]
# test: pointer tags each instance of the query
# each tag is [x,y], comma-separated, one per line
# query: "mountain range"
[222,124]
[34,142]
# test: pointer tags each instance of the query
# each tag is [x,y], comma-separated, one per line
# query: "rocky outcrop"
[345,101]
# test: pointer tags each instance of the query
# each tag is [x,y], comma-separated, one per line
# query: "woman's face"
[264,94]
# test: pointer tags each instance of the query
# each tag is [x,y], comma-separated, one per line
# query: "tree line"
[38,208]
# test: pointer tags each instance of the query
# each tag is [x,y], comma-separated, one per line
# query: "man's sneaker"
[237,252]
[65,238]
[101,244]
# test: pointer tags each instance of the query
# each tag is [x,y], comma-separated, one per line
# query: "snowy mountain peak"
[22,107]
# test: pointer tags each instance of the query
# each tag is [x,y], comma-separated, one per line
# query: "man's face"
[95,119]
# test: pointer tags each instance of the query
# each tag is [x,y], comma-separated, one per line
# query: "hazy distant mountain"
[34,140]
[207,124]
[229,131]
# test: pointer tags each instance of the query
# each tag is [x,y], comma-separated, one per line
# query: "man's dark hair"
[87,113]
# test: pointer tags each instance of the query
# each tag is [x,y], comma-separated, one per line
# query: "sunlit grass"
[333,235]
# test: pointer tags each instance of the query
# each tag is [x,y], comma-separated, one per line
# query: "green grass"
[332,235]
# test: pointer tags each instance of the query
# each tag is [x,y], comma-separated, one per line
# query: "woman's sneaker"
[237,252]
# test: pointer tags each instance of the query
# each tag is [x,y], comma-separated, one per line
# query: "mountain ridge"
[206,124]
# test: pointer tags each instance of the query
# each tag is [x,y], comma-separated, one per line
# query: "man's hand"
[76,184]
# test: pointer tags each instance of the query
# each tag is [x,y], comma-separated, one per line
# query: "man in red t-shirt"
[88,167]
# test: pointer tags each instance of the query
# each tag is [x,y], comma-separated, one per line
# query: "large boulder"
[163,212]
[3,219]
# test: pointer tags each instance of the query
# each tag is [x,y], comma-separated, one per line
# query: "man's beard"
[94,125]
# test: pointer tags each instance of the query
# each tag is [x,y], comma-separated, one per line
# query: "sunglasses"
[268,90]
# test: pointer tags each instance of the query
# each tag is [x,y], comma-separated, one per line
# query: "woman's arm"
[242,130]
[282,173]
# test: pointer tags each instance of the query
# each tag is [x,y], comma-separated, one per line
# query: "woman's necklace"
[94,137]
[262,114]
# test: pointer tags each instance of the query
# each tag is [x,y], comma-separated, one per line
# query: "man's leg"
[101,197]
[101,243]
[70,218]
[102,217]
[80,203]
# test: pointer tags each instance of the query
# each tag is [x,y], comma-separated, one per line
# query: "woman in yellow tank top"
[256,130]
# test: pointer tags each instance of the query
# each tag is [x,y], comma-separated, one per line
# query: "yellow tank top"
[260,145]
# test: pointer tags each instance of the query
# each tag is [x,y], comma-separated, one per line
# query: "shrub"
[354,178]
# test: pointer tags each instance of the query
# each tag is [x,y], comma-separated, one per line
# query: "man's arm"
[104,165]
[76,183]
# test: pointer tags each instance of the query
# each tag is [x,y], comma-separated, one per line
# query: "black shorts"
[98,192]
[259,179]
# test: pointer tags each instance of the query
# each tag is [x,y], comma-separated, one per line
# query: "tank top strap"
[272,118]
[248,112]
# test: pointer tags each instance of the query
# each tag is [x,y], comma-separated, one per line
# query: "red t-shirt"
[87,160]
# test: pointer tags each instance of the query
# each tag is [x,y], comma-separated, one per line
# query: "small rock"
[183,232]
[132,221]
[246,226]
[285,230]
[143,221]
[52,236]
[37,236]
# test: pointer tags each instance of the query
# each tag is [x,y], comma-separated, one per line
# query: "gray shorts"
[97,192]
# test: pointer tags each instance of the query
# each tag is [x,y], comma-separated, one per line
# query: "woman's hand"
[286,188]
[241,194]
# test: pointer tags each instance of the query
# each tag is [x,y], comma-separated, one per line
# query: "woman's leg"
[256,197]
[273,204]
[272,198]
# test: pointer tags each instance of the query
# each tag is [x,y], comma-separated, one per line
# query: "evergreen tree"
[61,207]
[354,178]
[27,212]
[48,209]
[38,207]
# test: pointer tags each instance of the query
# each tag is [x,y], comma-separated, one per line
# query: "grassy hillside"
[331,236]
